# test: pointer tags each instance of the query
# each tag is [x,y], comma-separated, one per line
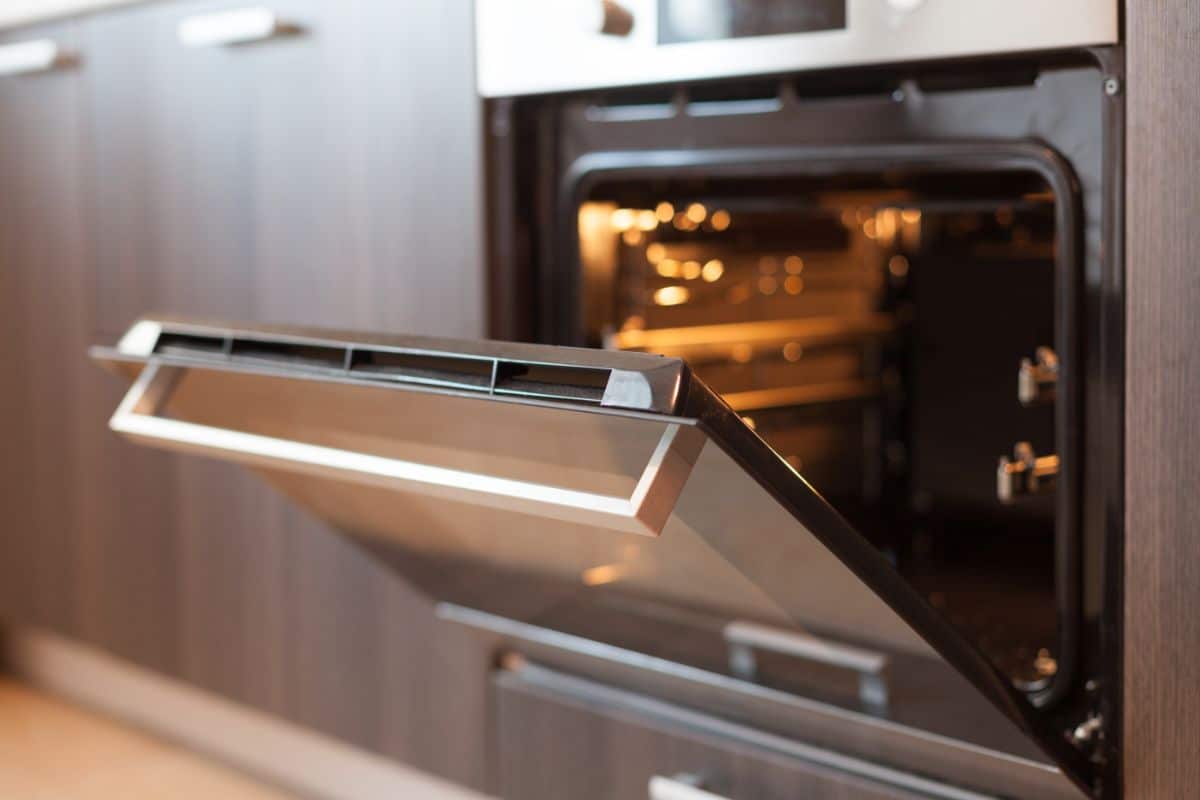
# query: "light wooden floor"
[52,750]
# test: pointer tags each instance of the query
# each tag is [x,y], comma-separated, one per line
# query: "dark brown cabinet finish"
[43,334]
[1162,545]
[329,177]
[558,736]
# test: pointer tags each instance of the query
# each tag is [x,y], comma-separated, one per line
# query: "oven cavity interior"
[891,332]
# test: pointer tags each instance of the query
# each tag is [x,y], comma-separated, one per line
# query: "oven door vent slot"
[866,87]
[635,105]
[292,354]
[556,382]
[190,345]
[431,369]
[735,100]
[551,382]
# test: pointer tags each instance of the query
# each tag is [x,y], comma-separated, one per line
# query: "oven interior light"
[712,270]
[623,219]
[668,268]
[671,296]
[683,222]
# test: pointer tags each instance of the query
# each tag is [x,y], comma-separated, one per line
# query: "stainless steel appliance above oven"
[537,46]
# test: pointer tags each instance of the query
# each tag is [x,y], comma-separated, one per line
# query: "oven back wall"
[330,177]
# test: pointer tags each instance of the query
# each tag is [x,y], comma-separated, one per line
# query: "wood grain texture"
[1162,563]
[43,327]
[330,178]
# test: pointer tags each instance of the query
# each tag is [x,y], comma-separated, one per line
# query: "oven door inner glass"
[893,337]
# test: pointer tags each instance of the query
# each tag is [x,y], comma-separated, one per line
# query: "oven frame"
[533,256]
[975,156]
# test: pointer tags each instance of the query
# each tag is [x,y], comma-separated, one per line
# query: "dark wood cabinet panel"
[170,168]
[558,736]
[327,177]
[1162,548]
[43,332]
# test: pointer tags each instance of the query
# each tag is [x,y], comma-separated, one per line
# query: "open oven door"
[602,493]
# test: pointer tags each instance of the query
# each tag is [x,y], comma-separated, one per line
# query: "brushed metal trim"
[528,47]
[646,511]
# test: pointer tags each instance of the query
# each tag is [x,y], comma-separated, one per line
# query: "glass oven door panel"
[562,486]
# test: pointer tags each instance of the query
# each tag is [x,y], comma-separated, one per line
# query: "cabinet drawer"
[561,736]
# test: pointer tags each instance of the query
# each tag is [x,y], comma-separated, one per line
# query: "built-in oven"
[823,388]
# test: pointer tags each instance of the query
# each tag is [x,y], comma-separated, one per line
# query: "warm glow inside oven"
[871,328]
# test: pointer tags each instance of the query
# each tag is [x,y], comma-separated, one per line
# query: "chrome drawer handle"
[871,667]
[26,58]
[679,787]
[237,26]
[645,511]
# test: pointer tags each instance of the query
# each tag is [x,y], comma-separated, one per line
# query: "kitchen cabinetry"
[1162,463]
[327,175]
[43,332]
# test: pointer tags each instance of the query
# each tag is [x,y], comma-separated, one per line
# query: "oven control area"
[539,46]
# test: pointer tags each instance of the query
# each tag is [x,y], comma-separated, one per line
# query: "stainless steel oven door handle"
[645,511]
[679,787]
[870,666]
